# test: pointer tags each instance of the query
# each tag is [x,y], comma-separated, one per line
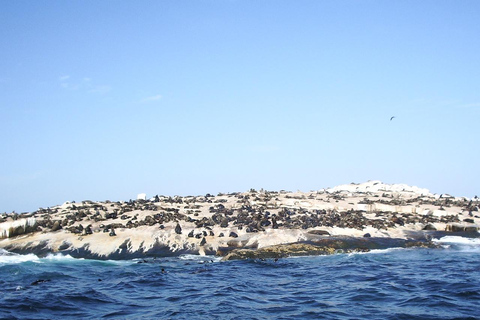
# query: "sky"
[108,99]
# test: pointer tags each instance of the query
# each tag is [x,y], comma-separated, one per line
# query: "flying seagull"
[392,118]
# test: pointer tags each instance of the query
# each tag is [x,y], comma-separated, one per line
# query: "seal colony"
[253,224]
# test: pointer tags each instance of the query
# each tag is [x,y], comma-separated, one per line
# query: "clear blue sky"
[107,99]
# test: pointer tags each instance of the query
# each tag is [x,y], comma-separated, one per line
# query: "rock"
[203,242]
[471,229]
[64,246]
[233,235]
[112,233]
[322,246]
[279,251]
[367,235]
[190,234]
[460,228]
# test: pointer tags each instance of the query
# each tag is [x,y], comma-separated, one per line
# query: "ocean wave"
[7,257]
[60,257]
[198,258]
[376,251]
[459,243]
[13,258]
[458,240]
[411,283]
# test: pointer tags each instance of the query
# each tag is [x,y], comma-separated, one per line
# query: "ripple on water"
[399,284]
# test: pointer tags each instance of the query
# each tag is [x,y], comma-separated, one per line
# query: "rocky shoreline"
[254,224]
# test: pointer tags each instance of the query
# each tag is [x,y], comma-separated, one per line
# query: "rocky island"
[253,224]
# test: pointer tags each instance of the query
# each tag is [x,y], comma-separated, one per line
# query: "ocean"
[413,283]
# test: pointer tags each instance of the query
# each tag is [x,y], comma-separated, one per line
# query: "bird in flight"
[392,118]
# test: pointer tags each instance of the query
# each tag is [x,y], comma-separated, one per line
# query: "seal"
[178,229]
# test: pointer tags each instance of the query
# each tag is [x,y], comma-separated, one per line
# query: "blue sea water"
[387,284]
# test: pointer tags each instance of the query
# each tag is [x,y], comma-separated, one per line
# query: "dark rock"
[460,228]
[112,233]
[279,251]
[233,235]
[190,234]
[367,235]
[64,246]
[471,229]
[324,246]
[203,242]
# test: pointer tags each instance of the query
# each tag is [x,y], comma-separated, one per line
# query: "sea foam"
[459,243]
[458,240]
[13,258]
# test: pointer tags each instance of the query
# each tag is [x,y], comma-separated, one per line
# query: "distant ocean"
[386,284]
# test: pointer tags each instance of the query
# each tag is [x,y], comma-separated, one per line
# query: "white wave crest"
[458,240]
[199,258]
[376,251]
[13,258]
[60,257]
[7,257]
